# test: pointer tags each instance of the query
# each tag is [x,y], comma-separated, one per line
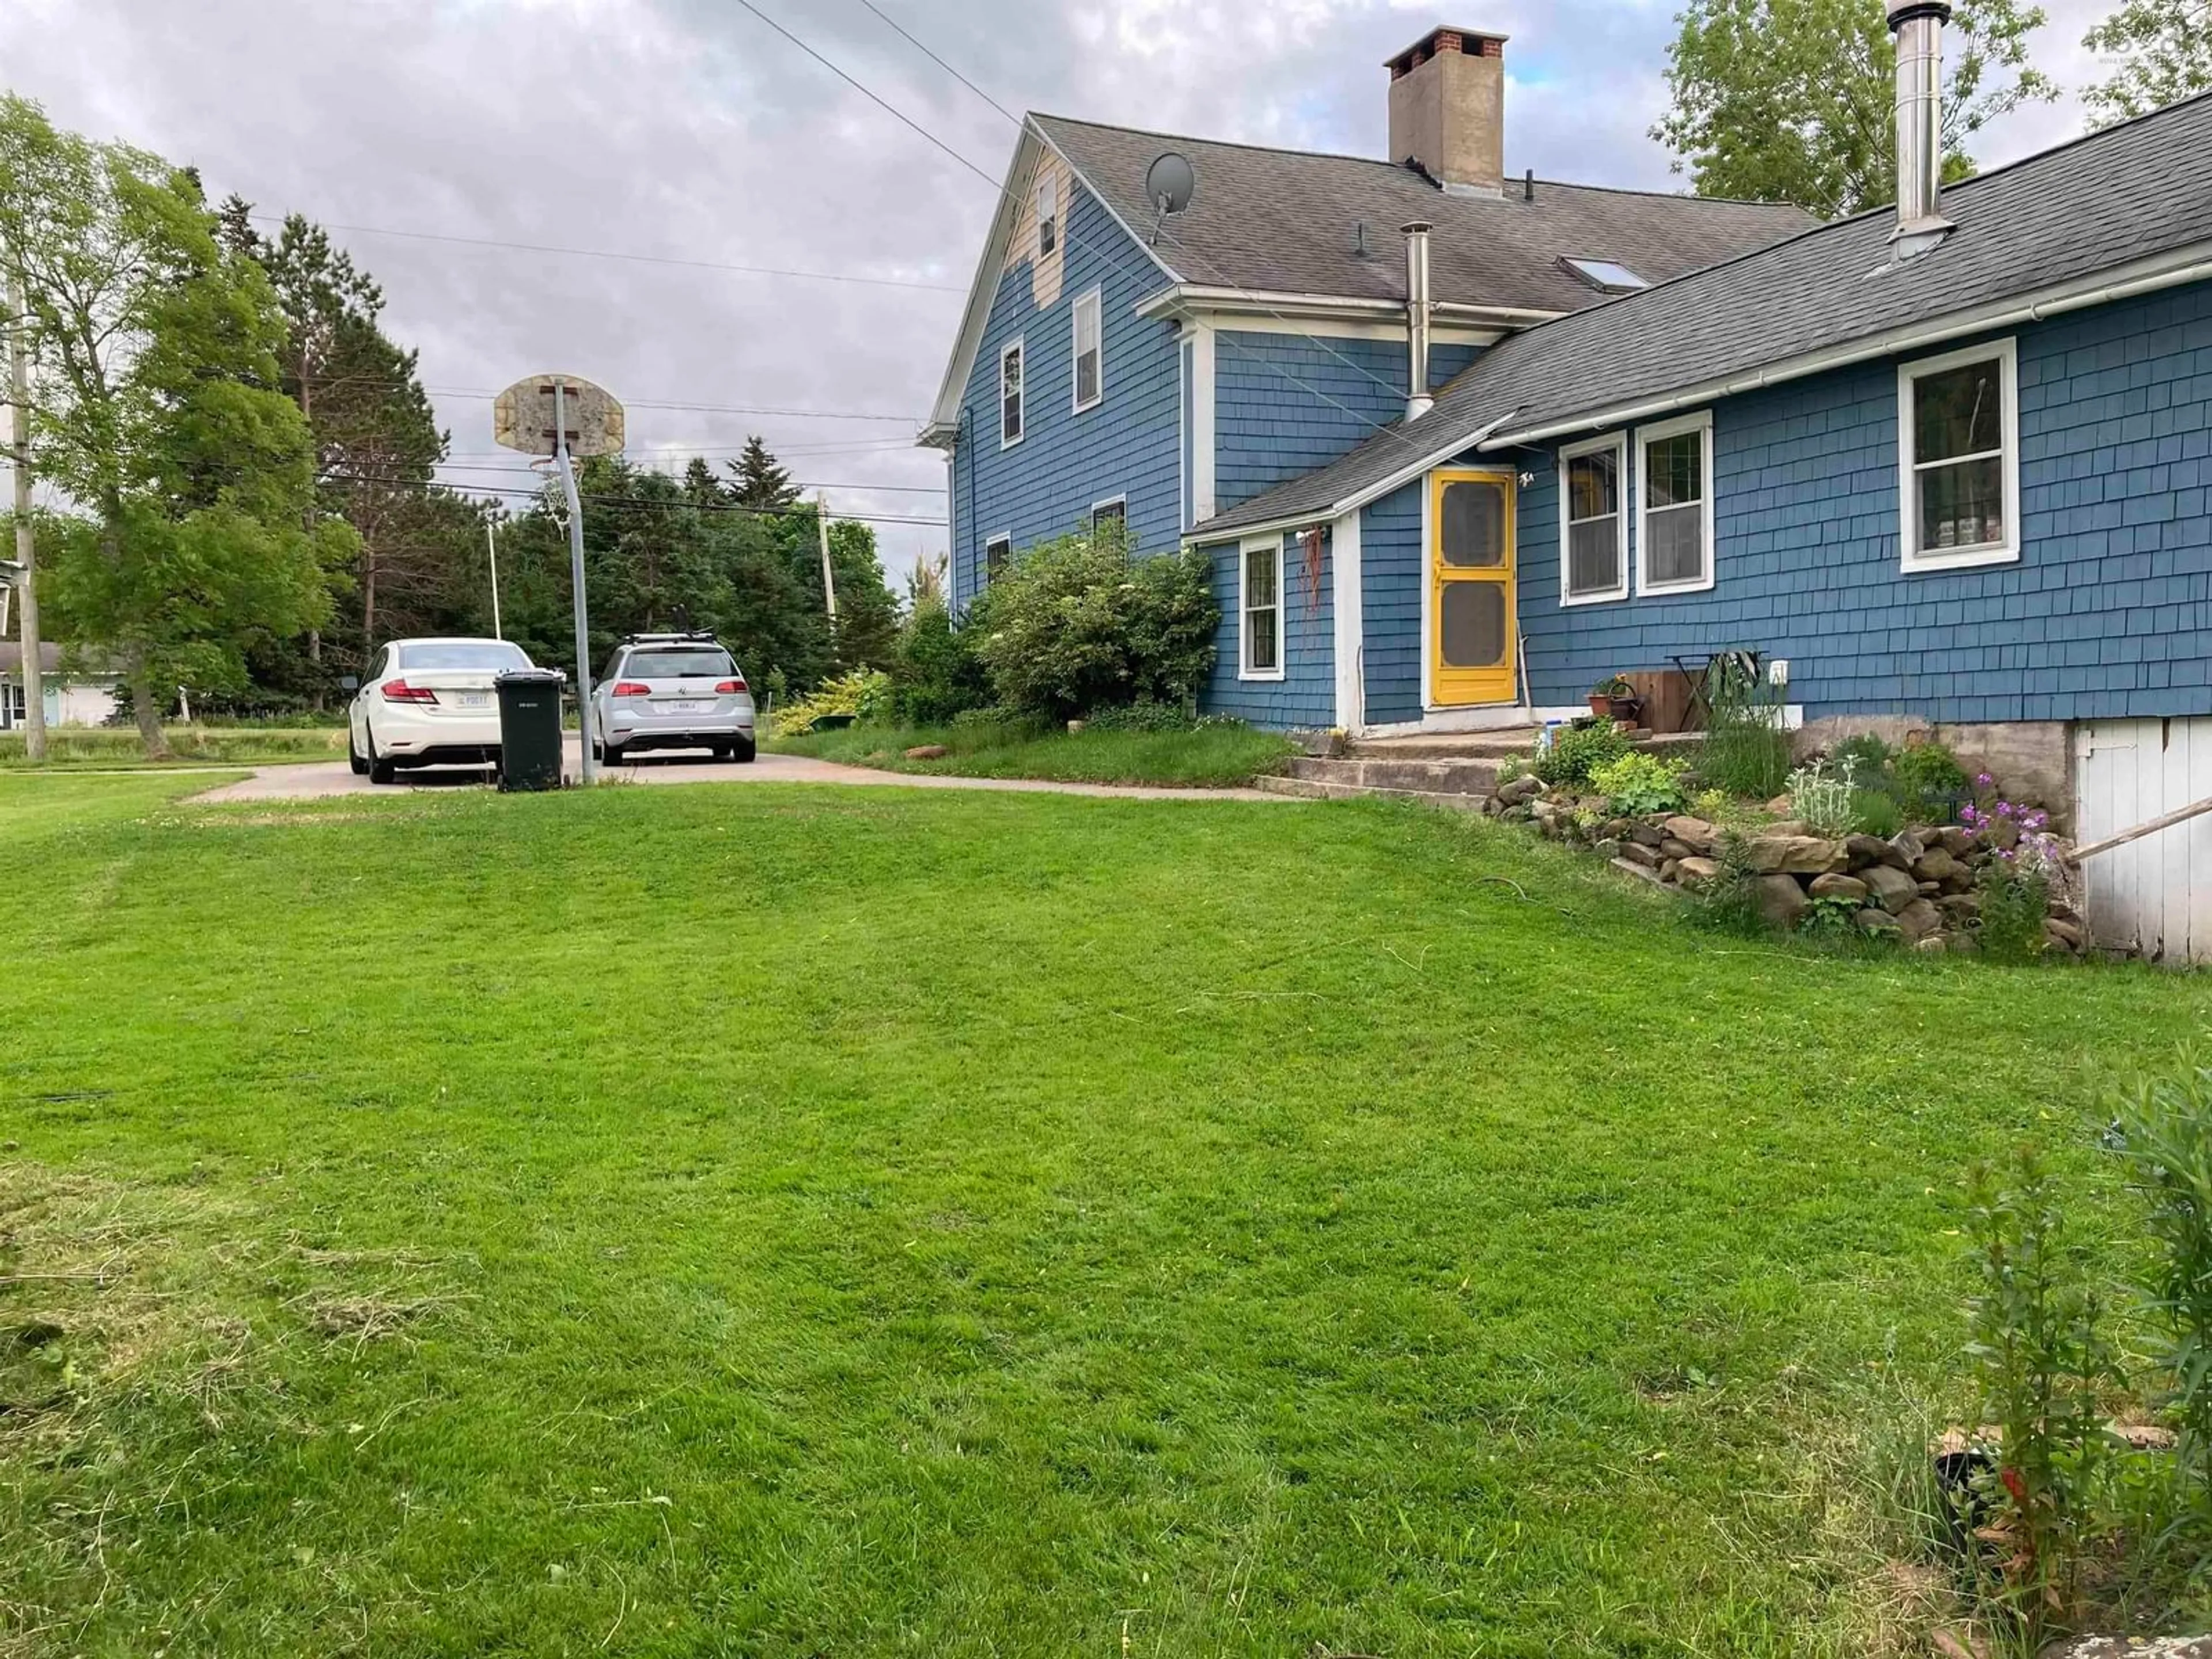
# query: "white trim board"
[1203,456]
[1348,643]
[1918,563]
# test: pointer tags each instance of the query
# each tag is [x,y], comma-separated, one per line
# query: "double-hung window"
[1048,212]
[1957,420]
[1593,521]
[996,552]
[1674,506]
[1109,516]
[1260,606]
[1011,408]
[1090,351]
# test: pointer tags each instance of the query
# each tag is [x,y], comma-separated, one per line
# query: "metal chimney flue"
[1918,26]
[1417,401]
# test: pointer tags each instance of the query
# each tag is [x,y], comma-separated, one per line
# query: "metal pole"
[19,395]
[591,765]
[491,551]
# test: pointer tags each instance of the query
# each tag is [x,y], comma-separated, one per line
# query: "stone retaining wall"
[1918,886]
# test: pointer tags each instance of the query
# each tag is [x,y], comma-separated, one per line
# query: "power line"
[532,471]
[639,259]
[695,408]
[522,493]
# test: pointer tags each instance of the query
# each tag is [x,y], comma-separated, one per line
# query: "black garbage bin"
[530,728]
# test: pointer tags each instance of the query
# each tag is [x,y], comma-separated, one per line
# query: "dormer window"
[1047,211]
[1606,275]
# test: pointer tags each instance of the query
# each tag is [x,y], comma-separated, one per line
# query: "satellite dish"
[1171,184]
[522,416]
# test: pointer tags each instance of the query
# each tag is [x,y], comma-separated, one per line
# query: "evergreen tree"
[761,483]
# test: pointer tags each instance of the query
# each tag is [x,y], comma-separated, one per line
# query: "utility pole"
[491,551]
[829,576]
[19,402]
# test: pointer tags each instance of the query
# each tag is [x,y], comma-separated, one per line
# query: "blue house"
[1460,446]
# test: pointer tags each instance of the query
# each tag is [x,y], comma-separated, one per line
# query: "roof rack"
[671,639]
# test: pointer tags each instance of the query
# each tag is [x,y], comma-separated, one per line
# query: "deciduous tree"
[2164,53]
[154,409]
[1794,101]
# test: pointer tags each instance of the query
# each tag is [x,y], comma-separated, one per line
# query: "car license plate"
[474,700]
[684,705]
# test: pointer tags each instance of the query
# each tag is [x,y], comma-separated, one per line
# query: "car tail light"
[728,686]
[632,688]
[400,691]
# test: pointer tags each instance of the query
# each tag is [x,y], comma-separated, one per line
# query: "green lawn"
[747,1220]
[1217,757]
[100,748]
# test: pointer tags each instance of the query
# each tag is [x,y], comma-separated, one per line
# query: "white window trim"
[1618,443]
[1244,552]
[983,570]
[1095,299]
[1121,501]
[1702,422]
[1016,344]
[2007,352]
[1047,184]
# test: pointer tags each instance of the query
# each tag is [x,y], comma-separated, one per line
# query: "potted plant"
[1615,699]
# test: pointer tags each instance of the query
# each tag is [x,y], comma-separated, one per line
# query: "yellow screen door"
[1471,612]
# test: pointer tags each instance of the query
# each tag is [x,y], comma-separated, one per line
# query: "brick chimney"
[1447,108]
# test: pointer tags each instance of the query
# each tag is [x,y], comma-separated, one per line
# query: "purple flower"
[1986,781]
[2005,809]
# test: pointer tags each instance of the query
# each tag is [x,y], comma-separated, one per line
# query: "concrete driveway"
[324,779]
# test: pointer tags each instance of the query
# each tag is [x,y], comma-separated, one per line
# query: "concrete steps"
[1428,775]
[1316,789]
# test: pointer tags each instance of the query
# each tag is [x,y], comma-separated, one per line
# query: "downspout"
[1418,400]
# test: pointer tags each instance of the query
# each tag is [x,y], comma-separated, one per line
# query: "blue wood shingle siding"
[1127,444]
[1306,694]
[1392,569]
[2108,613]
[1287,404]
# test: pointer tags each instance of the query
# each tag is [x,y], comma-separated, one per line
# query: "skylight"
[1607,274]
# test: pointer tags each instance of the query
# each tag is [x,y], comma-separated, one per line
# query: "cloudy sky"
[690,131]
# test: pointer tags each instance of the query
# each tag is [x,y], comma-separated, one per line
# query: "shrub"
[1930,782]
[1874,813]
[863,694]
[1578,750]
[1821,794]
[1869,757]
[935,674]
[2166,1130]
[1076,625]
[1637,784]
[2015,905]
[2039,1348]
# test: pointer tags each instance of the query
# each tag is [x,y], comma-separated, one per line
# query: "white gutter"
[2053,301]
[1186,296]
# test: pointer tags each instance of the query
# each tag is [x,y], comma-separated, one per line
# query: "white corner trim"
[1244,549]
[1202,447]
[1702,422]
[1017,345]
[1095,297]
[1912,561]
[1618,443]
[1344,562]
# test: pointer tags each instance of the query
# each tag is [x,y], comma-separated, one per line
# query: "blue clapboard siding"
[1286,404]
[1391,573]
[2105,615]
[1129,444]
[1306,694]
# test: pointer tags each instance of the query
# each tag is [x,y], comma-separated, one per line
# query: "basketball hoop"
[522,416]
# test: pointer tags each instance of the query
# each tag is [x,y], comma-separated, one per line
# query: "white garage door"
[2155,895]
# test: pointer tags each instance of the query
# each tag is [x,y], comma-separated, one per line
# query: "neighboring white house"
[85,698]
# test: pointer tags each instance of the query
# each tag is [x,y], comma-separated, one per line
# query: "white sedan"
[429,702]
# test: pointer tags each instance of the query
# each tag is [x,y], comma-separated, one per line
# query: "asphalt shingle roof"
[1288,222]
[2129,193]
